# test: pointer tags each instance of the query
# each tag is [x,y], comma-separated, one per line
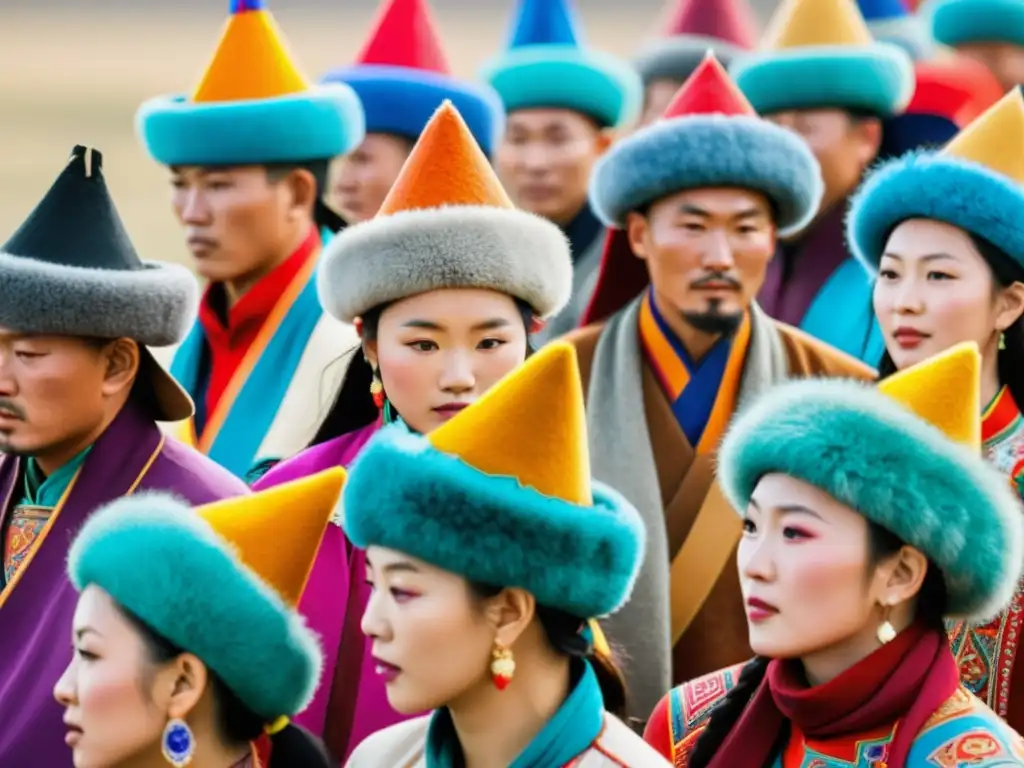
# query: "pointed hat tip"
[241,6]
[707,91]
[404,34]
[992,138]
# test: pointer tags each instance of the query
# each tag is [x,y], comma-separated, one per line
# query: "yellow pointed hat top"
[251,60]
[531,425]
[276,532]
[446,167]
[996,138]
[800,23]
[945,391]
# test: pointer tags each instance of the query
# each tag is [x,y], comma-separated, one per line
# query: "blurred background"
[74,72]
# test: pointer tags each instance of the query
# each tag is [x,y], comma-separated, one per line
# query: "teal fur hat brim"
[675,58]
[876,457]
[708,151]
[595,84]
[878,79]
[318,124]
[166,566]
[927,185]
[962,22]
[405,495]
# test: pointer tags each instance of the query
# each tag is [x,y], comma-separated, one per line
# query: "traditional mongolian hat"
[402,76]
[547,64]
[906,456]
[446,223]
[975,183]
[222,583]
[252,105]
[502,495]
[71,270]
[820,53]
[962,22]
[890,21]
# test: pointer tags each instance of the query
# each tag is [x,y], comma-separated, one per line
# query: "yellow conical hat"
[996,138]
[531,425]
[799,23]
[945,391]
[276,532]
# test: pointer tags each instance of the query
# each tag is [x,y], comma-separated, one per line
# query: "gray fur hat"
[675,58]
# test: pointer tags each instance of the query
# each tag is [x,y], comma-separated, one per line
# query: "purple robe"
[37,609]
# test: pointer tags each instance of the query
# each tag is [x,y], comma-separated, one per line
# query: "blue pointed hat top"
[546,22]
[240,6]
[880,10]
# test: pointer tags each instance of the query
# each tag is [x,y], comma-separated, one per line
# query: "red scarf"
[905,680]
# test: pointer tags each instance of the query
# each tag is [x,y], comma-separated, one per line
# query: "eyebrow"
[787,509]
[696,210]
[85,630]
[486,325]
[926,257]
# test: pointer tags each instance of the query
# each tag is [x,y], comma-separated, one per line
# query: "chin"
[775,644]
[405,700]
[904,358]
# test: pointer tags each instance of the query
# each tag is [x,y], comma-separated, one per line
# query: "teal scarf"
[575,726]
[43,491]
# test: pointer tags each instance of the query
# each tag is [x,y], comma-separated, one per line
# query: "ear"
[510,612]
[637,229]
[370,352]
[301,186]
[1011,305]
[182,684]
[605,138]
[122,360]
[870,132]
[906,576]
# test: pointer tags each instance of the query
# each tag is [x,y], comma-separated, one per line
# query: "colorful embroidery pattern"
[975,747]
[690,704]
[25,526]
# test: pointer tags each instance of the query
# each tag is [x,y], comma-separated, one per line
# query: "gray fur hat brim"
[154,306]
[675,58]
[404,254]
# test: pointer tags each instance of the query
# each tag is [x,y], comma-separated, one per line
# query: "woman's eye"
[748,525]
[796,534]
[86,655]
[492,343]
[422,346]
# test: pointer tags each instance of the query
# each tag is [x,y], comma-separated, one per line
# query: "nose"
[374,624]
[718,253]
[907,298]
[755,558]
[8,386]
[194,210]
[457,374]
[64,690]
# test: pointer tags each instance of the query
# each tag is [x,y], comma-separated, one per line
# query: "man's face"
[1004,60]
[545,160]
[361,180]
[707,251]
[657,96]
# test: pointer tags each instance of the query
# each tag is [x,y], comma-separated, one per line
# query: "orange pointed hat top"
[405,35]
[799,23]
[732,21]
[709,91]
[996,138]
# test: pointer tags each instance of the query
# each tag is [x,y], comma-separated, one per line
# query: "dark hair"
[931,606]
[291,747]
[324,216]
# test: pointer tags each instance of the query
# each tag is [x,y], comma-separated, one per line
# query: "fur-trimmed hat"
[907,457]
[222,582]
[820,53]
[962,22]
[402,76]
[548,65]
[501,494]
[890,21]
[976,183]
[446,223]
[71,270]
[252,106]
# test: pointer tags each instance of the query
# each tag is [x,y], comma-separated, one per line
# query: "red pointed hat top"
[709,91]
[405,35]
[731,21]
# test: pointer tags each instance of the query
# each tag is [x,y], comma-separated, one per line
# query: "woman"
[443,286]
[944,234]
[187,646]
[865,524]
[487,551]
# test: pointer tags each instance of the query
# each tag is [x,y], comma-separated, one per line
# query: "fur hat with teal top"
[818,54]
[221,582]
[907,456]
[890,21]
[548,65]
[963,22]
[402,76]
[252,106]
[502,495]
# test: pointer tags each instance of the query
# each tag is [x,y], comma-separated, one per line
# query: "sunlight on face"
[429,638]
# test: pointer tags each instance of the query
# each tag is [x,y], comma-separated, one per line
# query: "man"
[698,199]
[248,153]
[820,73]
[562,100]
[989,31]
[79,398]
[401,77]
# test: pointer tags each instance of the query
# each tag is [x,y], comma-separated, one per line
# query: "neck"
[825,665]
[695,341]
[53,458]
[990,372]
[236,288]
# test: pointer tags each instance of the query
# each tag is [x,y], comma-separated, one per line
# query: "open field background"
[74,71]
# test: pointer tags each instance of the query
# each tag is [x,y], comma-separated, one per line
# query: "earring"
[503,667]
[178,744]
[377,391]
[886,631]
[1002,341]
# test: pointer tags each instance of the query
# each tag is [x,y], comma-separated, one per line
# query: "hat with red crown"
[402,76]
[252,105]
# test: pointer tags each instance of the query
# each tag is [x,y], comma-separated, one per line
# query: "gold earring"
[503,667]
[1002,341]
[886,631]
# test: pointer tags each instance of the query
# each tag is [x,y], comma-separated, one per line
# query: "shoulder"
[964,730]
[333,453]
[198,478]
[809,356]
[585,341]
[622,747]
[396,745]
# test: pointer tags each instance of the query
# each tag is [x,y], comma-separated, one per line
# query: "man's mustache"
[13,409]
[716,279]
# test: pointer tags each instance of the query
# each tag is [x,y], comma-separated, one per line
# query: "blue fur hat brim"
[708,151]
[318,124]
[878,79]
[675,58]
[962,22]
[163,563]
[401,101]
[927,185]
[492,530]
[592,83]
[876,457]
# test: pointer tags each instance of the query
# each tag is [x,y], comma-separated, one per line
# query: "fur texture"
[155,306]
[675,58]
[708,151]
[593,83]
[876,457]
[315,125]
[933,186]
[397,256]
[956,22]
[401,100]
[165,565]
[493,530]
[878,79]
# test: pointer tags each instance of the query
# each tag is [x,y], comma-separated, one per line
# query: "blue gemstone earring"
[178,743]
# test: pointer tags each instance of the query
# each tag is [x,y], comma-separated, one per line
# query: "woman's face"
[431,641]
[440,351]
